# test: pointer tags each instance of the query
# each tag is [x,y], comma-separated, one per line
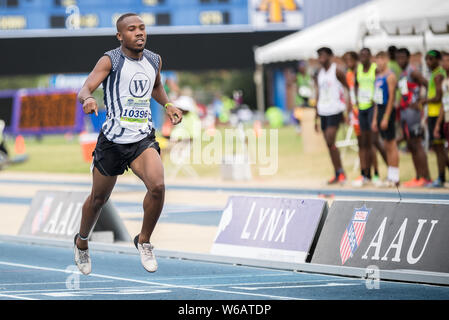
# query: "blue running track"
[43,272]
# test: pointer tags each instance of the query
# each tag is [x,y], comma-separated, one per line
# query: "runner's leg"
[101,190]
[330,135]
[148,167]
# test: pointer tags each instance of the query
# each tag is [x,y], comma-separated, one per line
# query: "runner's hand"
[374,126]
[174,114]
[436,132]
[90,106]
[316,127]
[384,124]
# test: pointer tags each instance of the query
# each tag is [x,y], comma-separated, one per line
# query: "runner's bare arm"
[436,131]
[356,90]
[418,77]
[317,97]
[161,97]
[392,82]
[374,121]
[98,74]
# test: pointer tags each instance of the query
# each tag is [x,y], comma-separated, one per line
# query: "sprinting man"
[442,126]
[433,101]
[130,75]
[385,115]
[409,84]
[331,103]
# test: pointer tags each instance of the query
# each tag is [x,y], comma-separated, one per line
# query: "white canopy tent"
[375,24]
[419,17]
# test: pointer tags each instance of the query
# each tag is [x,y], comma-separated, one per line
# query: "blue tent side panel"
[280,94]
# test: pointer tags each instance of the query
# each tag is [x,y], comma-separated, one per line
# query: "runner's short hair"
[325,50]
[404,51]
[444,54]
[392,52]
[123,16]
[434,53]
[367,50]
[352,54]
[382,54]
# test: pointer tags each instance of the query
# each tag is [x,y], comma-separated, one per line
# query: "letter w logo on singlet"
[139,85]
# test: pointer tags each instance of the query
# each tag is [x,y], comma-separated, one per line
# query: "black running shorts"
[112,159]
[366,119]
[389,133]
[331,121]
[431,123]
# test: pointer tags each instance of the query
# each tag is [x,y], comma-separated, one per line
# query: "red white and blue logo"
[354,233]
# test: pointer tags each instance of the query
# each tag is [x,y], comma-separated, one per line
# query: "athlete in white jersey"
[331,84]
[131,77]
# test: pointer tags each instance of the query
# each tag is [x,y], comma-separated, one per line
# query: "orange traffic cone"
[19,147]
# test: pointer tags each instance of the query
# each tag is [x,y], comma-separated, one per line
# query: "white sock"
[393,174]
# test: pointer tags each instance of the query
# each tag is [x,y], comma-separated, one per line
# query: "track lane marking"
[15,297]
[151,282]
[331,284]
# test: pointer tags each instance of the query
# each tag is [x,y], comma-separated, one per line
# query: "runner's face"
[381,63]
[402,60]
[350,63]
[324,59]
[365,57]
[133,34]
[431,62]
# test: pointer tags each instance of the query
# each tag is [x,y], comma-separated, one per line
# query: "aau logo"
[354,233]
[139,85]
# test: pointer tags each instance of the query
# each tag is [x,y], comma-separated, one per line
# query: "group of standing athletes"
[380,94]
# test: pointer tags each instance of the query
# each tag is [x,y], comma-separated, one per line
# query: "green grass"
[58,154]
[53,154]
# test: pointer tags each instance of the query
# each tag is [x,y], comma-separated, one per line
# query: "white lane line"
[90,293]
[41,291]
[15,297]
[224,276]
[331,284]
[151,282]
[231,285]
[46,283]
[273,282]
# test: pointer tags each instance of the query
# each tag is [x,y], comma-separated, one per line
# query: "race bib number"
[403,87]
[378,96]
[365,95]
[135,113]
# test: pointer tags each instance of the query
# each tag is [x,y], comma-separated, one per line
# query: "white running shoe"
[147,256]
[390,184]
[82,259]
[360,182]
